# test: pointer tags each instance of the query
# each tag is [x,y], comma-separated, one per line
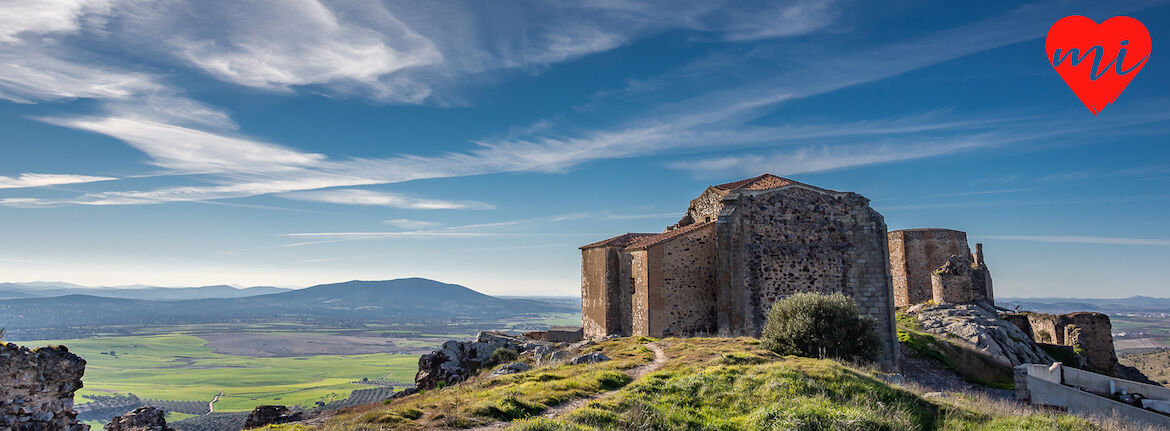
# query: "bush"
[820,326]
[501,356]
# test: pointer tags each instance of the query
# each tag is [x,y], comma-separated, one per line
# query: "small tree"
[820,326]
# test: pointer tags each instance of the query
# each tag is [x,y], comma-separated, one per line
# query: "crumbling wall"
[915,254]
[952,283]
[704,208]
[1092,333]
[37,386]
[777,242]
[687,286]
[1088,334]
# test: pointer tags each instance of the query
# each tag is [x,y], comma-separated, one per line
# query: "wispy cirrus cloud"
[373,198]
[42,180]
[412,224]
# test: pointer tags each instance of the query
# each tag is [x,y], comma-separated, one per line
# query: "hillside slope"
[704,384]
[408,299]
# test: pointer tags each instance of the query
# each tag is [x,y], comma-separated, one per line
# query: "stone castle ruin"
[937,265]
[1088,335]
[740,247]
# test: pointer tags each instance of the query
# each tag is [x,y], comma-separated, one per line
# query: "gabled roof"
[618,241]
[650,241]
[762,182]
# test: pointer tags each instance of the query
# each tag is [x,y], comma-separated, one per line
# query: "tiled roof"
[762,182]
[619,241]
[649,241]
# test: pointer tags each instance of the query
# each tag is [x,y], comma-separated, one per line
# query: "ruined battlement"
[1090,334]
[937,265]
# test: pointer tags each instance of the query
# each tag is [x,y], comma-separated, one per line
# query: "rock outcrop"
[458,360]
[141,419]
[269,415]
[37,386]
[980,326]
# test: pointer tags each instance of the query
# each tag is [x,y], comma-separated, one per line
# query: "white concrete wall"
[1080,402]
[1100,383]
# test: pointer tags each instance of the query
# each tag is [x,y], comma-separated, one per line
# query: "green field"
[182,367]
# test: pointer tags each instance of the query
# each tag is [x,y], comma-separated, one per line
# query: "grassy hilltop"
[694,384]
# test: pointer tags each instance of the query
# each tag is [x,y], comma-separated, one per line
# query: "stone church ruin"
[740,247]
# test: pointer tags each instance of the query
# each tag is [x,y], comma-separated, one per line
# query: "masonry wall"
[683,285]
[600,291]
[37,386]
[777,242]
[638,280]
[706,207]
[915,254]
[1088,332]
[1092,333]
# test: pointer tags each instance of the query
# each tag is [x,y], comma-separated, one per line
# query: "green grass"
[716,384]
[181,367]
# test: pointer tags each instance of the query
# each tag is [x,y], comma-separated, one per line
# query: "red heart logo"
[1098,60]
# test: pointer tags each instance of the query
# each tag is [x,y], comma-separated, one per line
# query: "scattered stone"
[274,414]
[980,326]
[37,386]
[589,358]
[934,395]
[513,368]
[581,344]
[141,419]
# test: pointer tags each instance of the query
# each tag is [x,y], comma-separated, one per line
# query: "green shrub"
[820,326]
[501,356]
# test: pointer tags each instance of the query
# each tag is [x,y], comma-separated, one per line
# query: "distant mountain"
[391,301]
[1134,304]
[44,289]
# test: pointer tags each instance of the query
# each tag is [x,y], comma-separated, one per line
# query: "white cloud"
[41,180]
[191,150]
[1074,239]
[412,224]
[39,17]
[372,198]
[827,158]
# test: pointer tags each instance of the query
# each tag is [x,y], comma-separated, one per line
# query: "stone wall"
[600,288]
[706,207]
[37,386]
[1087,333]
[1092,333]
[684,288]
[915,254]
[777,242]
[953,283]
[640,298]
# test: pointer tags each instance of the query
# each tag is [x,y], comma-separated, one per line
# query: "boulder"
[589,358]
[980,326]
[513,368]
[141,419]
[457,361]
[273,414]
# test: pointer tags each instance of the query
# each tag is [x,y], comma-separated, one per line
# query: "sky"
[297,142]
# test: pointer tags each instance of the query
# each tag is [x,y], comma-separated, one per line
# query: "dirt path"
[636,373]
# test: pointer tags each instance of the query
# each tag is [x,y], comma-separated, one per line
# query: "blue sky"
[296,142]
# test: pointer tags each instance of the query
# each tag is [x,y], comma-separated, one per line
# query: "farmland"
[186,368]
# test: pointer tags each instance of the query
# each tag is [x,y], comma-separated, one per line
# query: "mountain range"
[407,300]
[1133,304]
[48,290]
